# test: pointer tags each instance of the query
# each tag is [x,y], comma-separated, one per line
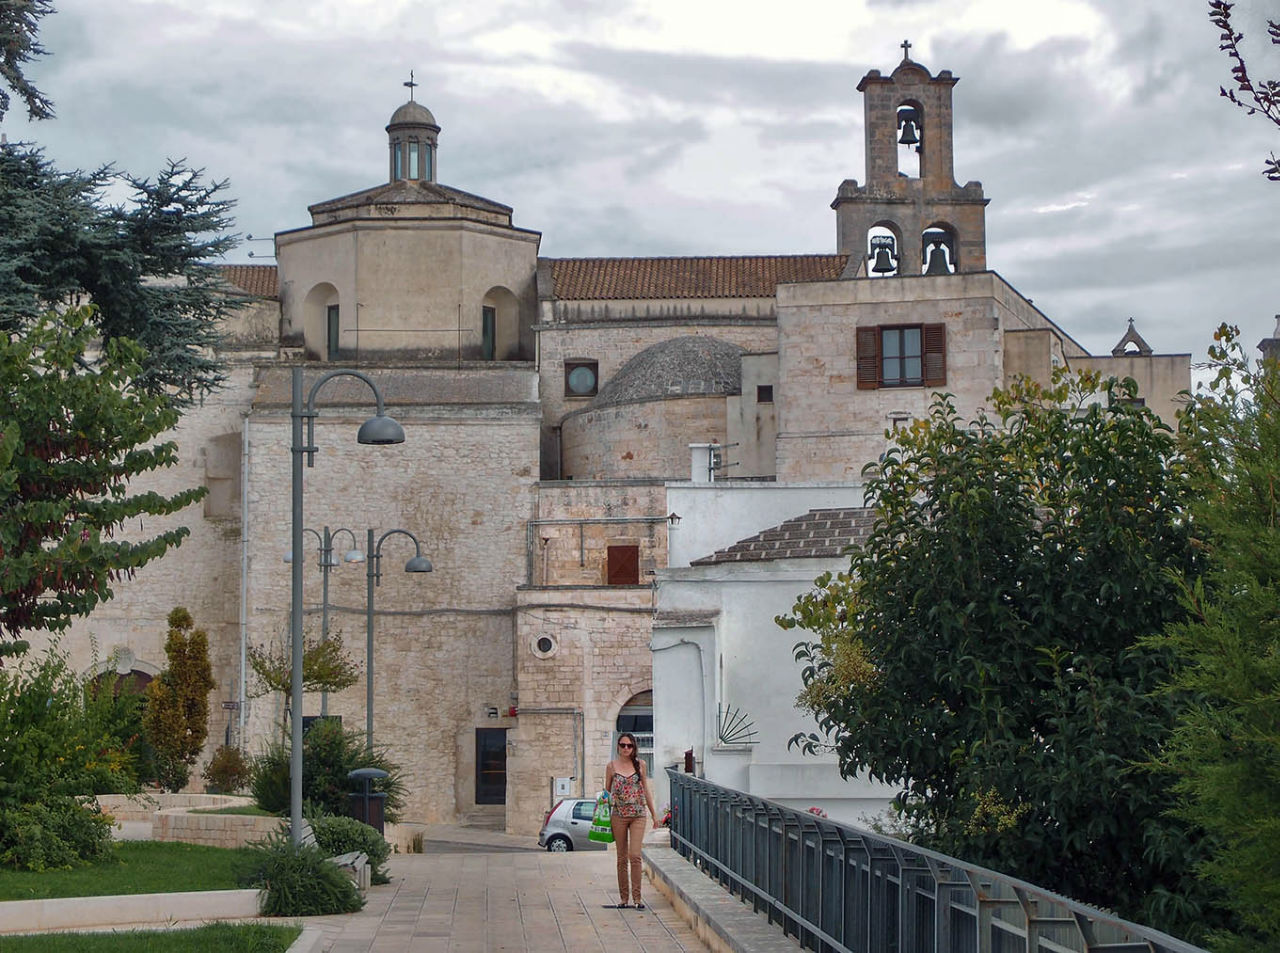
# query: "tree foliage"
[177,715]
[76,427]
[145,263]
[1225,751]
[19,45]
[327,666]
[1254,96]
[981,650]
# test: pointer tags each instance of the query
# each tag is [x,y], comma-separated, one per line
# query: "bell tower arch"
[910,109]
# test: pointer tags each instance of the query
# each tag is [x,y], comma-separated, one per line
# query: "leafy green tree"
[1225,751]
[74,430]
[146,263]
[981,650]
[327,666]
[177,715]
[19,44]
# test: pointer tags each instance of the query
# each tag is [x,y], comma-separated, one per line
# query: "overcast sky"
[1121,184]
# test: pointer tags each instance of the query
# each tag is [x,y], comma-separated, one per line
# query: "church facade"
[550,407]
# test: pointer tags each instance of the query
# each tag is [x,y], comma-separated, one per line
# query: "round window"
[545,644]
[582,380]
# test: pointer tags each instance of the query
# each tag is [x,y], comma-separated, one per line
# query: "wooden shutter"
[624,565]
[935,356]
[868,358]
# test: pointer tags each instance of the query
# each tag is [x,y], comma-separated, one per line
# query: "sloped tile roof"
[257,280]
[742,276]
[816,534]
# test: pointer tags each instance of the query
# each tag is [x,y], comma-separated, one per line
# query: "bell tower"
[911,215]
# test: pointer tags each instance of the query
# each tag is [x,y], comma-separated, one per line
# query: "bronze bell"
[883,263]
[937,260]
[909,136]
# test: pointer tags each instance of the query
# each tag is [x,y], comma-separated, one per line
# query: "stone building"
[550,408]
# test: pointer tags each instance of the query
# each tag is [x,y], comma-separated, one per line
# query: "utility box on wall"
[562,787]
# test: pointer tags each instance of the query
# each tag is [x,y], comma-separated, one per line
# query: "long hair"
[635,749]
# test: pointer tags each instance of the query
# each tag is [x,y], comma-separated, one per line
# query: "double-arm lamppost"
[377,430]
[373,575]
[327,562]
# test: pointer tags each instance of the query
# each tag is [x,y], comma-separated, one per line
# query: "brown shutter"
[868,358]
[624,565]
[935,355]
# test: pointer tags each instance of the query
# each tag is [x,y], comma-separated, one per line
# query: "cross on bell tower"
[929,214]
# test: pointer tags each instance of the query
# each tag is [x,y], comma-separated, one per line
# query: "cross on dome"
[906,49]
[412,85]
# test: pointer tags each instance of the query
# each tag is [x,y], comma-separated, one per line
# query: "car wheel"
[558,845]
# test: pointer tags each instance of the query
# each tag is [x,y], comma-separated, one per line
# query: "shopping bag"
[601,829]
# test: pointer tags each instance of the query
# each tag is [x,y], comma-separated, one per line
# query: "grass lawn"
[144,867]
[250,809]
[214,938]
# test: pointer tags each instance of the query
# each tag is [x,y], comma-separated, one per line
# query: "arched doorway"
[636,716]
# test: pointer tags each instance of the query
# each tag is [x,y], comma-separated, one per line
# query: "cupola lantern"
[411,135]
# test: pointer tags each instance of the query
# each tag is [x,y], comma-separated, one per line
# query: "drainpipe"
[244,577]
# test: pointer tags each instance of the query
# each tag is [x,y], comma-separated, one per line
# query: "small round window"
[543,646]
[580,380]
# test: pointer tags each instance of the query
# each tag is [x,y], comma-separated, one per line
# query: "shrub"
[227,771]
[298,881]
[52,833]
[56,736]
[329,754]
[341,835]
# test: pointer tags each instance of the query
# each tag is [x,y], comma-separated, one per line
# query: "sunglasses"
[623,744]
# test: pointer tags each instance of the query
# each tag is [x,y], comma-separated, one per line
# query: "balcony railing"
[837,888]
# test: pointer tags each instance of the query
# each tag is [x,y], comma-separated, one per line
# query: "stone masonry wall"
[583,519]
[570,696]
[642,440]
[612,345]
[463,483]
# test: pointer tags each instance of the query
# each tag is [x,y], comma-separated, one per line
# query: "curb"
[720,919]
[133,911]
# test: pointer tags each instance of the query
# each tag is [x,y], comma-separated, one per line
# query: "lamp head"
[288,557]
[353,556]
[418,564]
[380,430]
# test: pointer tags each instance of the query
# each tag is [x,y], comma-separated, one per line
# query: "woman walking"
[628,788]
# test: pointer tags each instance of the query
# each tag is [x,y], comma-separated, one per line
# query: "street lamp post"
[328,562]
[373,577]
[377,430]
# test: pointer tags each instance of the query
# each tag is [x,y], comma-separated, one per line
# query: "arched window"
[909,133]
[883,249]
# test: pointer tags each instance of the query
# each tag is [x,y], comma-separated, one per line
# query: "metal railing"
[841,889]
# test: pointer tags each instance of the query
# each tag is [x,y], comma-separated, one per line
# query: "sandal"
[617,906]
[639,905]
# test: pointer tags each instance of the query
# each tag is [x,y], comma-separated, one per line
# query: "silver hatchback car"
[567,825]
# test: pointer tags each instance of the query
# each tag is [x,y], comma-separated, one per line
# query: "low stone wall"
[141,807]
[212,830]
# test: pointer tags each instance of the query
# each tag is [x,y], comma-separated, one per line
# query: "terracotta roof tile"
[816,534]
[257,280]
[744,276]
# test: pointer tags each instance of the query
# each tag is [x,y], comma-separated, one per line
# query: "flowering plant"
[665,819]
[817,812]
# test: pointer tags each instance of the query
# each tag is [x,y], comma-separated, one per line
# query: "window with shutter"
[624,565]
[907,355]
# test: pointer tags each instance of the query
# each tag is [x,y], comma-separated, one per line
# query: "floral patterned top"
[626,795]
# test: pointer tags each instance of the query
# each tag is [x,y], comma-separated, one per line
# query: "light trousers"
[628,835]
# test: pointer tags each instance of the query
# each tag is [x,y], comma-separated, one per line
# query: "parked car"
[567,825]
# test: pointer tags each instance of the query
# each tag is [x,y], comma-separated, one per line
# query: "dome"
[680,367]
[412,114]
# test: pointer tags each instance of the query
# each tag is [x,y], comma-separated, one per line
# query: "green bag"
[601,829]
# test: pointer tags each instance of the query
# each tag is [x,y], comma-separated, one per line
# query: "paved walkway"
[479,892]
